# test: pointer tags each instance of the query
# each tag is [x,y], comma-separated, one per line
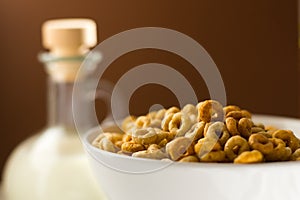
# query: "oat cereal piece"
[261,143]
[177,147]
[210,110]
[235,146]
[248,157]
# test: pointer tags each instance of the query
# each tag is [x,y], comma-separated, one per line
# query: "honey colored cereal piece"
[280,152]
[131,147]
[288,137]
[126,138]
[142,122]
[296,155]
[215,130]
[107,145]
[157,114]
[224,137]
[151,153]
[256,129]
[210,110]
[190,158]
[206,145]
[244,127]
[190,111]
[235,146]
[165,122]
[108,141]
[179,124]
[230,108]
[232,126]
[261,143]
[172,110]
[249,157]
[114,137]
[196,132]
[239,114]
[145,136]
[177,147]
[213,156]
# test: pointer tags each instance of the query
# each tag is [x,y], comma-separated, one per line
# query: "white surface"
[189,181]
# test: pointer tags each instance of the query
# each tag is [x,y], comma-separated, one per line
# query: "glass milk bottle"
[52,164]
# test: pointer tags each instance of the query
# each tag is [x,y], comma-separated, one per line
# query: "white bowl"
[127,178]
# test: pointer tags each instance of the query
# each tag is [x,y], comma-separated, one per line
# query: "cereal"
[280,152]
[142,122]
[261,143]
[213,156]
[207,132]
[230,108]
[150,153]
[205,145]
[238,114]
[288,137]
[196,131]
[177,147]
[210,110]
[224,137]
[232,126]
[191,111]
[166,120]
[296,155]
[189,159]
[235,146]
[131,147]
[244,127]
[179,124]
[248,157]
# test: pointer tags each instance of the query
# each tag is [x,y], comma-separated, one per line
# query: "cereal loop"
[165,122]
[190,111]
[239,114]
[296,155]
[210,110]
[244,127]
[230,108]
[206,145]
[215,130]
[179,124]
[261,143]
[213,156]
[288,137]
[131,147]
[145,136]
[232,126]
[191,158]
[248,157]
[235,146]
[280,151]
[142,121]
[177,147]
[150,153]
[196,132]
[172,110]
[224,137]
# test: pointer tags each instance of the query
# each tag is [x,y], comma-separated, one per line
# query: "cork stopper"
[67,38]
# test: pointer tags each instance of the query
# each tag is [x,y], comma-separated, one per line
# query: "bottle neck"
[60,103]
[62,72]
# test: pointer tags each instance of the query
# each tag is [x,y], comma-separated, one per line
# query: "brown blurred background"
[254,44]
